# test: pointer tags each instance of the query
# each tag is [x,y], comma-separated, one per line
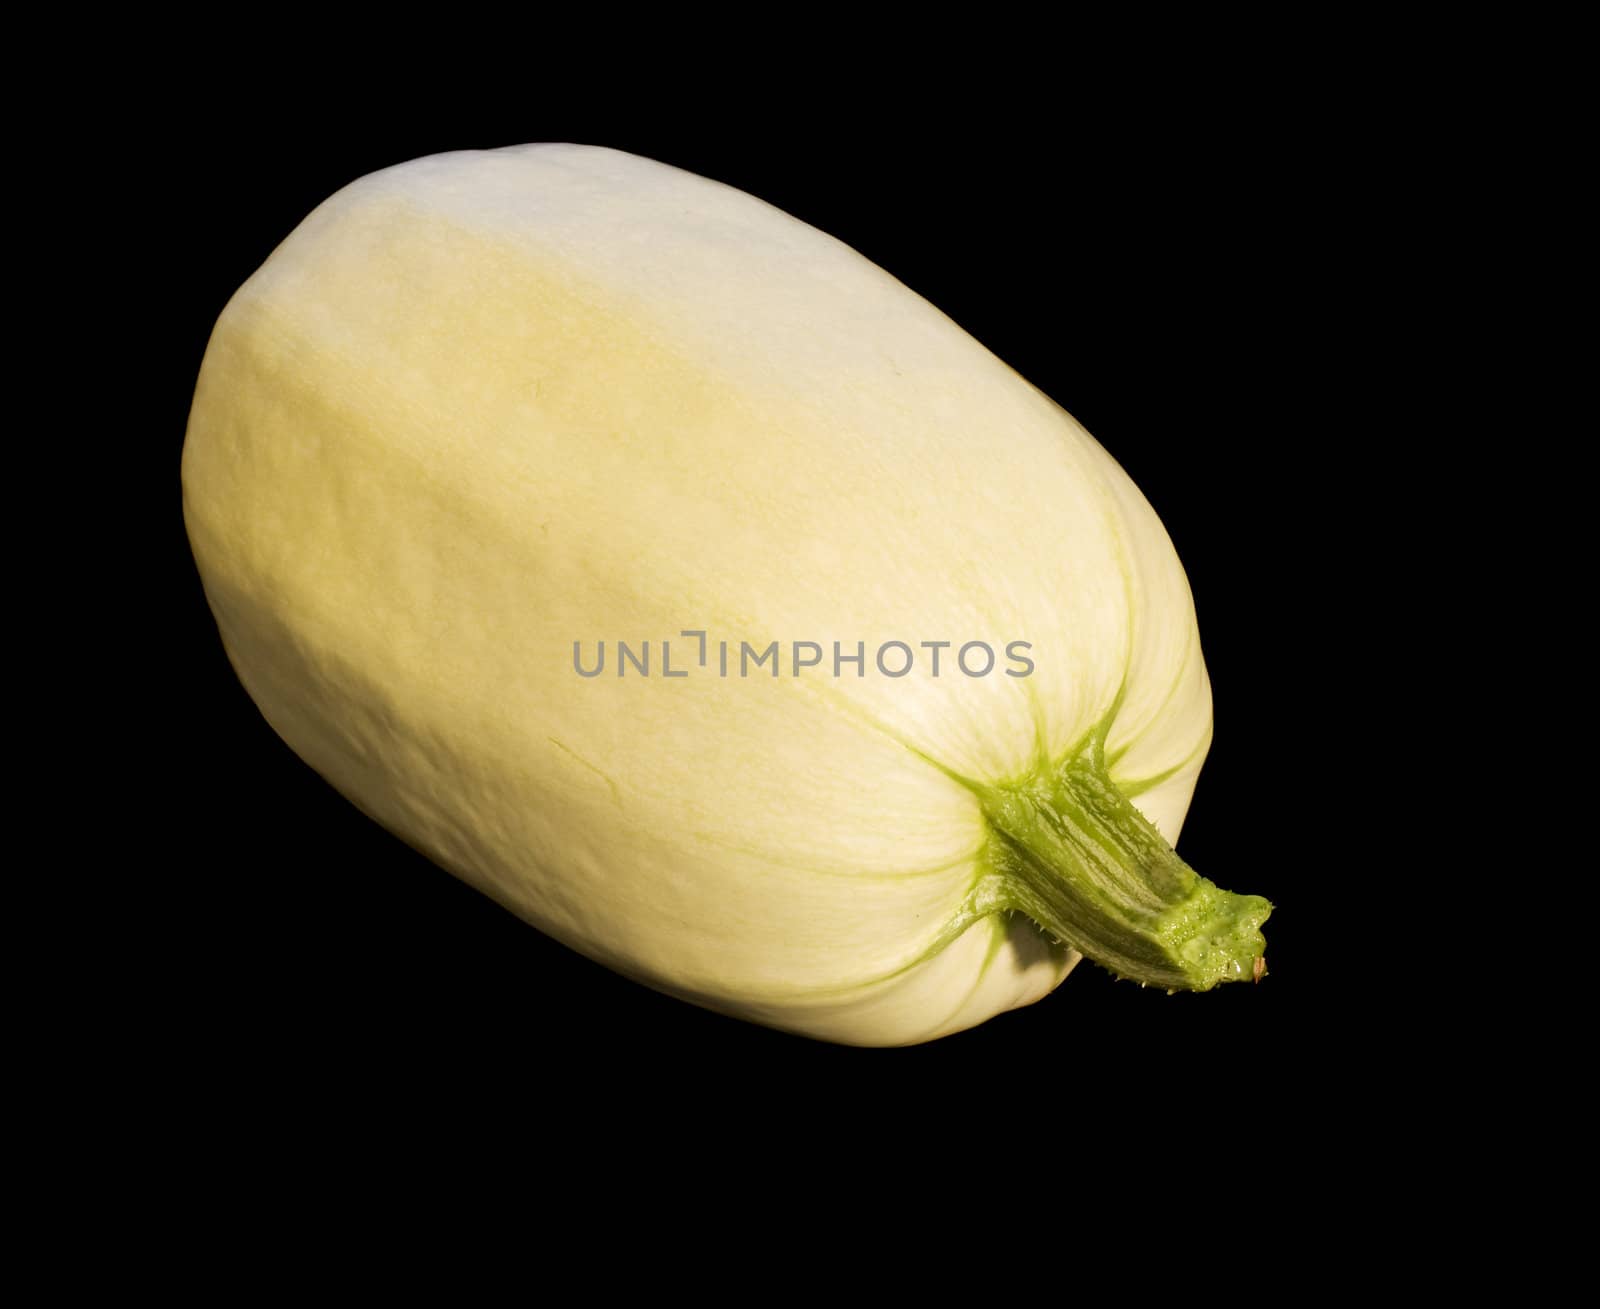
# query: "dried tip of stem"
[1260,969]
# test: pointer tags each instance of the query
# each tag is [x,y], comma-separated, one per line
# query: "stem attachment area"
[1073,853]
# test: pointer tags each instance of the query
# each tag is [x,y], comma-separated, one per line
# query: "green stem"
[1074,855]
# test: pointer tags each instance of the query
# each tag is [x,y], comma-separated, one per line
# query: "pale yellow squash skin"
[485,404]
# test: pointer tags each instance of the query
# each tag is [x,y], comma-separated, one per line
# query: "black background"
[1185,284]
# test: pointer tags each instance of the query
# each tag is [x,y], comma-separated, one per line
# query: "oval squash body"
[484,406]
